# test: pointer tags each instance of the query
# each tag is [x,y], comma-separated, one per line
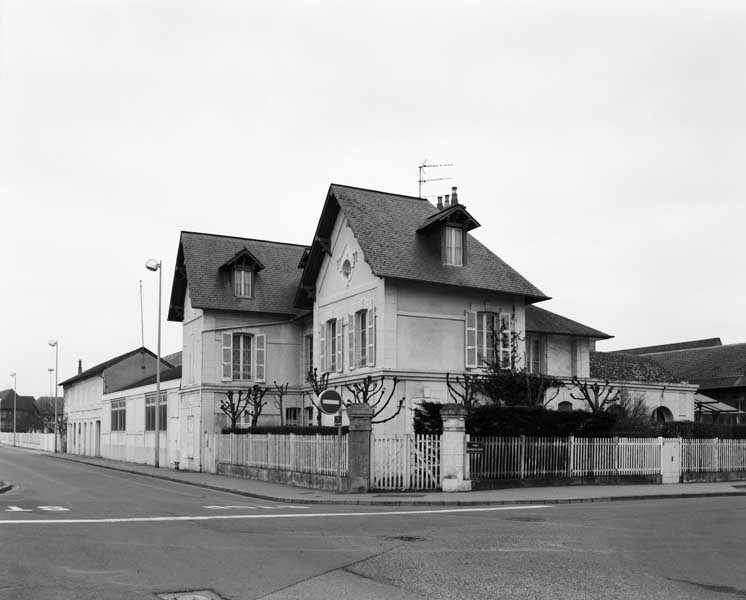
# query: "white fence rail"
[714,455]
[405,462]
[319,454]
[37,441]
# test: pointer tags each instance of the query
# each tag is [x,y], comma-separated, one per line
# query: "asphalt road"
[72,531]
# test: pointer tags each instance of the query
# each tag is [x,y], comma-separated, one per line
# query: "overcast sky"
[600,144]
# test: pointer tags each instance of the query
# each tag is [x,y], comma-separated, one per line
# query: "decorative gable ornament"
[346,264]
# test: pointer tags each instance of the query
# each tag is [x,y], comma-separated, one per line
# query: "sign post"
[330,403]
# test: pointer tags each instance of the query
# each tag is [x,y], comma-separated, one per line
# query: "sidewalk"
[533,495]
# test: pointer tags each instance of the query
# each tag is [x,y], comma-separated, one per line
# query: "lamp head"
[52,343]
[50,369]
[12,373]
[152,265]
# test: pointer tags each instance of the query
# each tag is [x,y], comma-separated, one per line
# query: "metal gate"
[405,462]
[671,461]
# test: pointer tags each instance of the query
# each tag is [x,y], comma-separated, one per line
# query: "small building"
[26,412]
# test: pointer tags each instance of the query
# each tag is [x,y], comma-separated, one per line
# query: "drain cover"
[194,595]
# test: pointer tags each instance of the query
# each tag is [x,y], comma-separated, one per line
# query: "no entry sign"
[330,402]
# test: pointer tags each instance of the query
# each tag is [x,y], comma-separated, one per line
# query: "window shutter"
[227,356]
[351,364]
[506,327]
[370,358]
[470,335]
[261,357]
[322,349]
[340,347]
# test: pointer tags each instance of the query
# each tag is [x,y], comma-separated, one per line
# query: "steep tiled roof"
[386,229]
[100,368]
[539,320]
[166,375]
[202,254]
[710,367]
[628,367]
[706,343]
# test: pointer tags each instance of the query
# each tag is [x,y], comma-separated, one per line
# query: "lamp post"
[15,396]
[56,347]
[155,265]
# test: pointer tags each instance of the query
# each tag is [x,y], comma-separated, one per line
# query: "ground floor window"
[150,412]
[119,415]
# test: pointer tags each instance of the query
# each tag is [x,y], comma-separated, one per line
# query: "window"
[331,327]
[535,354]
[150,412]
[242,282]
[238,351]
[119,415]
[454,249]
[487,333]
[292,415]
[307,355]
[564,406]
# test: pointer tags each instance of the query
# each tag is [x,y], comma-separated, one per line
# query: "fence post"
[270,452]
[616,455]
[316,450]
[716,454]
[522,455]
[571,455]
[230,449]
[359,441]
[453,449]
[292,453]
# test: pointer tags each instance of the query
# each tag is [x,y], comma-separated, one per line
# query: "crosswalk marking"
[44,508]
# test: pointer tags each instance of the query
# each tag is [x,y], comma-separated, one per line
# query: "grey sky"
[601,146]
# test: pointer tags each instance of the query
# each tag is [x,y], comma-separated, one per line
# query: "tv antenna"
[423,174]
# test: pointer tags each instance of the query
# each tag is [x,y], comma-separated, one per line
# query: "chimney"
[80,366]
[440,202]
[446,197]
[454,198]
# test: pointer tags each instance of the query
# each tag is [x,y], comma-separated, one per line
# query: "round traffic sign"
[330,401]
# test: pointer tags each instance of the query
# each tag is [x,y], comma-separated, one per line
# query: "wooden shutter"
[470,339]
[261,357]
[340,346]
[351,362]
[370,358]
[322,348]
[506,327]
[227,356]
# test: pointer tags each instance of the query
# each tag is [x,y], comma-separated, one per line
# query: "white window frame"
[118,415]
[150,408]
[535,349]
[454,255]
[255,370]
[242,282]
[332,337]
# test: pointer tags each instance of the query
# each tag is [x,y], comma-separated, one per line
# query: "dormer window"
[454,246]
[242,281]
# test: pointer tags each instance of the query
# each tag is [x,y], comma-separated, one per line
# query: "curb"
[244,493]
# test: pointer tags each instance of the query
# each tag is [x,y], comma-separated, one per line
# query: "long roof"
[711,367]
[628,367]
[198,266]
[704,343]
[540,320]
[385,226]
[101,367]
[23,403]
[166,375]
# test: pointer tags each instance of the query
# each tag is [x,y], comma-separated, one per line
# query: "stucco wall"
[191,359]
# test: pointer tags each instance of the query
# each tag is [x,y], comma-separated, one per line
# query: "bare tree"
[234,406]
[372,392]
[596,394]
[279,394]
[463,388]
[318,384]
[256,402]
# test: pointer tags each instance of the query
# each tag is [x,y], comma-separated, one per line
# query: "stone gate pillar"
[453,449]
[360,416]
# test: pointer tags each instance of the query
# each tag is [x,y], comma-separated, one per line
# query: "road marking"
[270,516]
[240,506]
[44,508]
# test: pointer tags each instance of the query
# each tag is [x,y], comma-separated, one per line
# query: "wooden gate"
[405,462]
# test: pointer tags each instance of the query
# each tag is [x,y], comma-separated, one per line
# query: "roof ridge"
[685,349]
[235,237]
[405,196]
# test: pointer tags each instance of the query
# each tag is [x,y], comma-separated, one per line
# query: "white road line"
[242,506]
[275,516]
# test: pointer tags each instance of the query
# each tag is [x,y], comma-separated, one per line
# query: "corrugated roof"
[706,343]
[166,375]
[202,254]
[710,367]
[385,226]
[540,320]
[628,367]
[100,368]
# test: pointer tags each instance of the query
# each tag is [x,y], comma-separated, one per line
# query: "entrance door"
[671,461]
[97,440]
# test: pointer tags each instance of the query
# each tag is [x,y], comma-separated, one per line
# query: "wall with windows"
[83,408]
[136,442]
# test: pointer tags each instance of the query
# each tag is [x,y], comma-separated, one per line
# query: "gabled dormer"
[446,230]
[242,269]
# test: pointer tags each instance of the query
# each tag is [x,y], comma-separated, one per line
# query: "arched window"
[564,406]
[662,415]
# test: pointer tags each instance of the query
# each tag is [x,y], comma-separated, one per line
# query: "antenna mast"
[423,174]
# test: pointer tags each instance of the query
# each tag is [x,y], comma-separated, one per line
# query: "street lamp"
[56,347]
[15,396]
[155,265]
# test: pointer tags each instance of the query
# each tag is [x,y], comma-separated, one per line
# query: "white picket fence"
[714,455]
[319,454]
[405,462]
[37,441]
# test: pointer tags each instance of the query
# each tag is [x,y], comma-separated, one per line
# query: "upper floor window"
[119,415]
[241,362]
[150,412]
[331,333]
[242,282]
[243,356]
[488,339]
[307,355]
[361,327]
[454,246]
[535,354]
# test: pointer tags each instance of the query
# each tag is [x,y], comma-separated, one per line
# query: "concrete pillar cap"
[450,411]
